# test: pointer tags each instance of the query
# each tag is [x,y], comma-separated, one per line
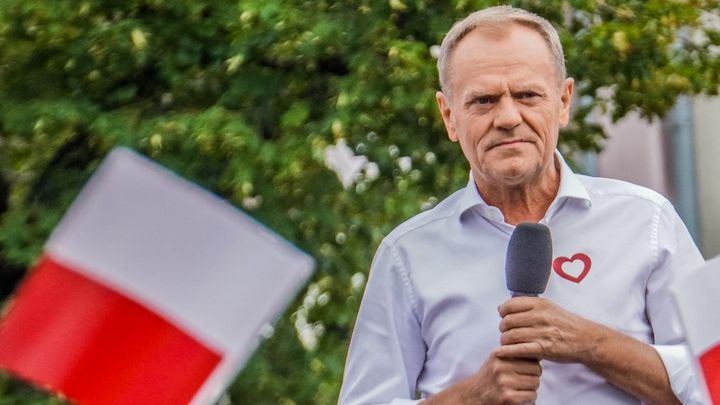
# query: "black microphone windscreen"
[528,260]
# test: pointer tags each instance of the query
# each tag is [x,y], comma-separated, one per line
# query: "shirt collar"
[570,185]
[570,188]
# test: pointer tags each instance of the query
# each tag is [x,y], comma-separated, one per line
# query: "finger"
[516,397]
[519,335]
[523,397]
[517,304]
[529,350]
[518,320]
[518,365]
[517,382]
[527,367]
[524,382]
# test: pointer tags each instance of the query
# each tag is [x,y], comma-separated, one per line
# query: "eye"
[483,100]
[526,95]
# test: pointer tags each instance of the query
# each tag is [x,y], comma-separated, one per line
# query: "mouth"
[509,142]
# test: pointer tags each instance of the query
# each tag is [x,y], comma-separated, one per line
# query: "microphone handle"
[521,294]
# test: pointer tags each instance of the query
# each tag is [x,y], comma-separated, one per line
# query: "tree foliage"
[244,98]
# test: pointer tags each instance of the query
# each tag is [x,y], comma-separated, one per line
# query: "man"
[436,324]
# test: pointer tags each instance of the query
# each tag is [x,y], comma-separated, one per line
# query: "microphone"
[528,260]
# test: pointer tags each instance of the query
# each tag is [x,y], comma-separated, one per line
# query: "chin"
[515,175]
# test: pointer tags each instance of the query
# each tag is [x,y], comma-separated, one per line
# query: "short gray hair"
[497,17]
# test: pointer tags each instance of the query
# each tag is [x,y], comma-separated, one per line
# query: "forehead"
[513,52]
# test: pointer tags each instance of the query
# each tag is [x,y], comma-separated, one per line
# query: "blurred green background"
[243,97]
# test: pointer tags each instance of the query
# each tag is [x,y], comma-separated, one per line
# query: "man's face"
[506,105]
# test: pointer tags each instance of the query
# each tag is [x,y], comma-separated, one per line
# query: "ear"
[566,93]
[446,112]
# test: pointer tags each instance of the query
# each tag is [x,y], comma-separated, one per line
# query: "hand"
[500,381]
[536,328]
[506,381]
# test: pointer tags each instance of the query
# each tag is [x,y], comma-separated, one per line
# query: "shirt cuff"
[680,368]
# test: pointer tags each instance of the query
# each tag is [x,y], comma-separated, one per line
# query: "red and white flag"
[698,300]
[149,291]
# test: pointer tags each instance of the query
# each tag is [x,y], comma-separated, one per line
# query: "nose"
[507,115]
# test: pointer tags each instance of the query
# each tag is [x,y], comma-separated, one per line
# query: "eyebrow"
[478,94]
[525,88]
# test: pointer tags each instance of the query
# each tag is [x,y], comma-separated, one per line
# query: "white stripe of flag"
[180,257]
[697,296]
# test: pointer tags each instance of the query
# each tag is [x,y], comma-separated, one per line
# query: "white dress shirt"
[429,316]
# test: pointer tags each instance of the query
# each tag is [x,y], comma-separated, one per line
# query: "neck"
[523,202]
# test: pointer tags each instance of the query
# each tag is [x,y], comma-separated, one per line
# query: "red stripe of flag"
[72,334]
[710,363]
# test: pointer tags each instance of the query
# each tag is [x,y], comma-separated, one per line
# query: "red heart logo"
[573,274]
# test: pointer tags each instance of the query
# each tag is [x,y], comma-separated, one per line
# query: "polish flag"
[698,301]
[149,291]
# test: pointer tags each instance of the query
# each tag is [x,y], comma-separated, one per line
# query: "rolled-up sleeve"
[676,253]
[387,351]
